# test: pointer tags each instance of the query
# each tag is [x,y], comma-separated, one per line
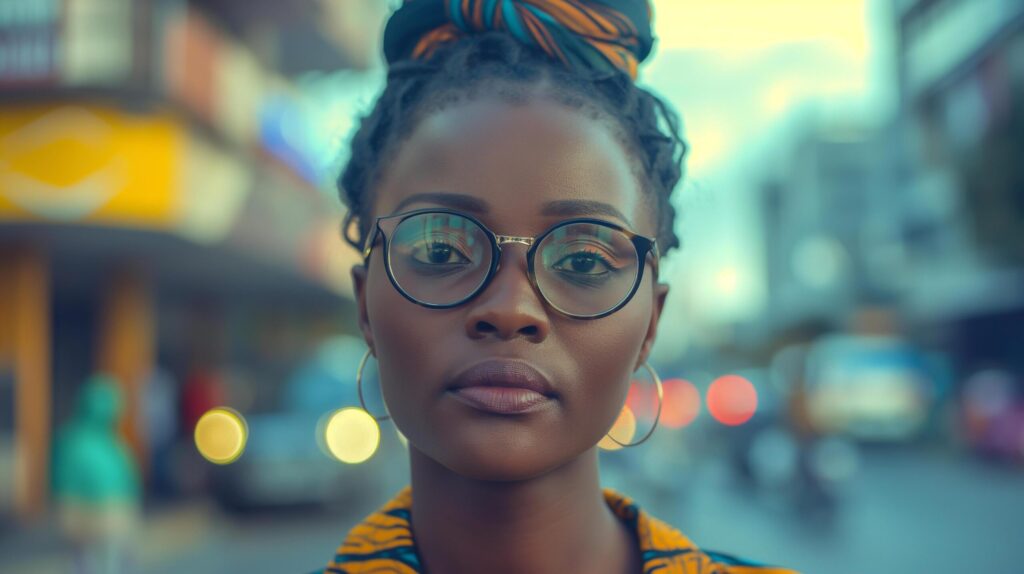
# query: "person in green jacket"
[95,481]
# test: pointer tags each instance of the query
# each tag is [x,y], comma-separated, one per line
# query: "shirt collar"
[385,539]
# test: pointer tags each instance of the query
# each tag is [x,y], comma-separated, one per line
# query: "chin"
[498,467]
[503,459]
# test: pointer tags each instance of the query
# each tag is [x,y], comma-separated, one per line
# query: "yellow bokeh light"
[623,431]
[220,435]
[352,435]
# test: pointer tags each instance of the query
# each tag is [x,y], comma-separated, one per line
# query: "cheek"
[402,334]
[605,351]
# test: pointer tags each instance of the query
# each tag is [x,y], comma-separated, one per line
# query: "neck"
[557,522]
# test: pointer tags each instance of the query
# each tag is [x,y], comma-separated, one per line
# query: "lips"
[502,386]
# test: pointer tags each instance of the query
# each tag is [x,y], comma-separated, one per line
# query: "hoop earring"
[359,389]
[657,416]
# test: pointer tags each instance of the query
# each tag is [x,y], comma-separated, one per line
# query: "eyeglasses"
[583,268]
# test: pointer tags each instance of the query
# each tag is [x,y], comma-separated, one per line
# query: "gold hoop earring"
[359,389]
[657,415]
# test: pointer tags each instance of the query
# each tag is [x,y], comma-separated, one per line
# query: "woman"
[510,194]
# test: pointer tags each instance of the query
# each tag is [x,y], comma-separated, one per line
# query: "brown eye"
[438,253]
[583,262]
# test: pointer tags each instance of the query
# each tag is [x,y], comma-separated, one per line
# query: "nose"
[509,307]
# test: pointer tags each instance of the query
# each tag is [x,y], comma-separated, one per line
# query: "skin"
[500,493]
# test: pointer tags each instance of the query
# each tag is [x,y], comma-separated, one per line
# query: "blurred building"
[927,212]
[962,76]
[920,218]
[159,201]
[831,217]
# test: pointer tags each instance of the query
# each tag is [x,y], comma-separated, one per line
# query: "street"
[906,511]
[910,511]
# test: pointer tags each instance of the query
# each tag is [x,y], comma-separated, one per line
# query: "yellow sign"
[89,163]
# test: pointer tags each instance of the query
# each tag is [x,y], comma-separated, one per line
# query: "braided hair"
[496,64]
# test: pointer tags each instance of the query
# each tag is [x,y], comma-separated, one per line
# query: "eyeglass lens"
[580,268]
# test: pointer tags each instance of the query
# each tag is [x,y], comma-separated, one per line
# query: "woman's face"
[519,169]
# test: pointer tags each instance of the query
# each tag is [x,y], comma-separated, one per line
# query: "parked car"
[286,463]
[869,388]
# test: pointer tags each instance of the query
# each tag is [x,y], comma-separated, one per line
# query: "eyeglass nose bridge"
[503,239]
[528,242]
[500,240]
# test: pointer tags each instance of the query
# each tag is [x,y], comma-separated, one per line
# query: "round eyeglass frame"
[645,246]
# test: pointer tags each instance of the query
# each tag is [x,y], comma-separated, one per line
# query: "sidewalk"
[165,532]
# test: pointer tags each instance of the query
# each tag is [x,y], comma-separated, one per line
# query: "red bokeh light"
[682,403]
[642,399]
[732,400]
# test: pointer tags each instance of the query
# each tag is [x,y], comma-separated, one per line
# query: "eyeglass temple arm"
[655,256]
[371,240]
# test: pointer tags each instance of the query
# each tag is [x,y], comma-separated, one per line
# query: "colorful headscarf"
[599,35]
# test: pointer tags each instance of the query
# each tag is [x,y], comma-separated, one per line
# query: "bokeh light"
[989,392]
[818,261]
[834,459]
[732,400]
[774,457]
[642,399]
[220,435]
[352,435]
[623,430]
[681,403]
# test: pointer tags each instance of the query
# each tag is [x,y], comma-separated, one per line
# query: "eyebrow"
[561,208]
[582,207]
[459,201]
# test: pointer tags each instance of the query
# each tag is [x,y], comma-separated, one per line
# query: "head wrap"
[601,35]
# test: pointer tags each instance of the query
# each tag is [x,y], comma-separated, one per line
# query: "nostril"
[529,331]
[485,327]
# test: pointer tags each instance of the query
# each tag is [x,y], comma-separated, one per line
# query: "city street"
[906,511]
[820,205]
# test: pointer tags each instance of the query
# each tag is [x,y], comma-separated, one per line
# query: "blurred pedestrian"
[160,422]
[96,483]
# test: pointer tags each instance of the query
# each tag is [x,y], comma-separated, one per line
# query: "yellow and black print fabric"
[383,542]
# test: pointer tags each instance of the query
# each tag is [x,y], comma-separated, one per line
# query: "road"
[905,511]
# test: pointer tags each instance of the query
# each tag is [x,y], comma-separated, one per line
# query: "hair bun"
[600,35]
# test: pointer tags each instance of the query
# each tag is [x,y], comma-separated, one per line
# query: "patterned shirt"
[384,542]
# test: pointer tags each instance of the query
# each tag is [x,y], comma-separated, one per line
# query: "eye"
[438,252]
[584,262]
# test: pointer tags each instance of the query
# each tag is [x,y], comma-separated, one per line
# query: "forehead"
[516,159]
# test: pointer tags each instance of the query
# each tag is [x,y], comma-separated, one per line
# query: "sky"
[745,75]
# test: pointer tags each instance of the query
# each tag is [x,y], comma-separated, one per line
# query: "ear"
[359,286]
[660,293]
